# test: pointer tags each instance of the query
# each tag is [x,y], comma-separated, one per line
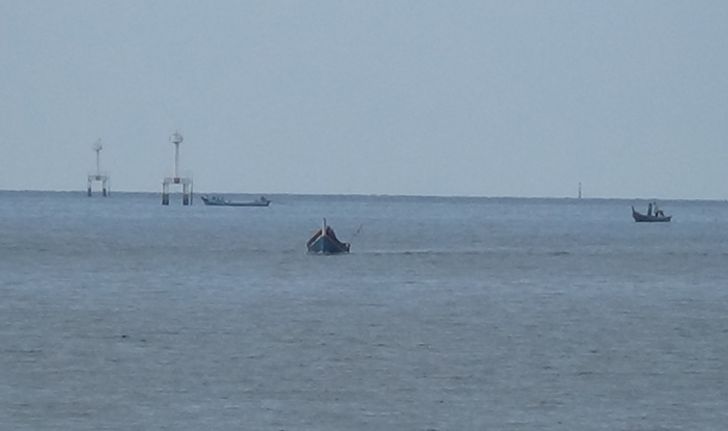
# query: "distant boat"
[657,217]
[222,202]
[324,241]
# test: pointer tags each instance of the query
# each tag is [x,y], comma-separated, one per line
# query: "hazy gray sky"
[501,98]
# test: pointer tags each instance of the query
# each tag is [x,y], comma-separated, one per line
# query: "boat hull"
[225,203]
[327,245]
[245,204]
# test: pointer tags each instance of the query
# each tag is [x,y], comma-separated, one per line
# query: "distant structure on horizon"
[186,182]
[579,189]
[99,176]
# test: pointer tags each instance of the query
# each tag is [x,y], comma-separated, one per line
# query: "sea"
[119,313]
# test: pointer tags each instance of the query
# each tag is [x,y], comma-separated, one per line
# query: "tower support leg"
[165,194]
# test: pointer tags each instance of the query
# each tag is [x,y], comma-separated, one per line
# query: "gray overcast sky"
[486,98]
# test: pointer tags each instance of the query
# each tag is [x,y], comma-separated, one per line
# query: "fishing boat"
[656,217]
[324,241]
[222,202]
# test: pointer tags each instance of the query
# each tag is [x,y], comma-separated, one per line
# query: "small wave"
[427,252]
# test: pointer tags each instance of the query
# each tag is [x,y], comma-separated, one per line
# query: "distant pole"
[579,189]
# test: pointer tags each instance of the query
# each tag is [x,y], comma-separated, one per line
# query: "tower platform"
[186,183]
[104,179]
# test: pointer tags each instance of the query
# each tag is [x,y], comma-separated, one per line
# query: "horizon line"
[386,195]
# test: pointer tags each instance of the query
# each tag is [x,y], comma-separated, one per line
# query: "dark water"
[450,314]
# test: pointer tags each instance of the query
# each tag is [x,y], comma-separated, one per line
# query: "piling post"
[165,194]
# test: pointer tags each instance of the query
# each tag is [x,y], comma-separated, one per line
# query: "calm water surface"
[449,314]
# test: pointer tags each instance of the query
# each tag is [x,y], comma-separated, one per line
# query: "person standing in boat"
[649,209]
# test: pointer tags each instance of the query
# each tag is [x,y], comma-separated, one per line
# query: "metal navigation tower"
[99,176]
[186,182]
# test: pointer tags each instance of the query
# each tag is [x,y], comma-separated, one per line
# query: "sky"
[466,98]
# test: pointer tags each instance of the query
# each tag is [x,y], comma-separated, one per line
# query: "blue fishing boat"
[657,217]
[324,241]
